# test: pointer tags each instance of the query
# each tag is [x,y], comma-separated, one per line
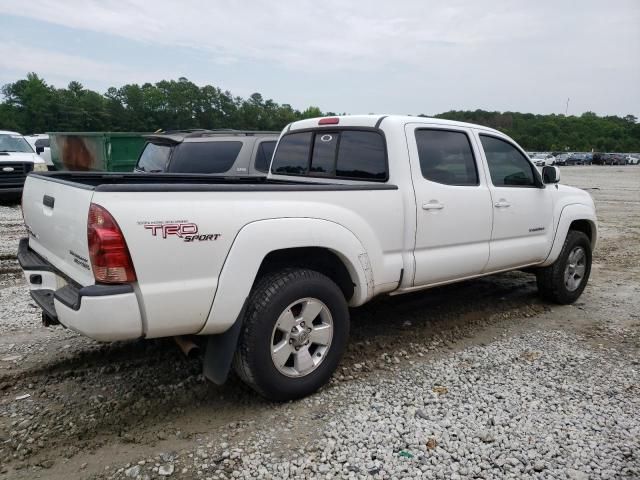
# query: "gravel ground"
[501,385]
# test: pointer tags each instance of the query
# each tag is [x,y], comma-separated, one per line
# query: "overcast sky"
[391,56]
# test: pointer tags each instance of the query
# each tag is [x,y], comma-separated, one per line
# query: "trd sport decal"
[185,230]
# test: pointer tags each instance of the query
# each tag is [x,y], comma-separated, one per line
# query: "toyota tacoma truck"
[265,269]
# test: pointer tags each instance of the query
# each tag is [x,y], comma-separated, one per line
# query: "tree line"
[30,105]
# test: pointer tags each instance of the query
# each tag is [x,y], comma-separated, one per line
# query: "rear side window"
[352,154]
[507,166]
[154,158]
[446,157]
[263,156]
[204,157]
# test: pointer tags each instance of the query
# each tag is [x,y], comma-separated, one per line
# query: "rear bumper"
[101,312]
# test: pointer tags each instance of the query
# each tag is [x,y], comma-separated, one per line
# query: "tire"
[563,282]
[277,302]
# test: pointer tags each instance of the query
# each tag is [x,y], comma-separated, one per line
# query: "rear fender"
[256,240]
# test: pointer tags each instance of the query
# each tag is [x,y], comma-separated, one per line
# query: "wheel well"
[582,226]
[319,259]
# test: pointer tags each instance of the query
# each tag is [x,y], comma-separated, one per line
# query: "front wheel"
[294,333]
[564,281]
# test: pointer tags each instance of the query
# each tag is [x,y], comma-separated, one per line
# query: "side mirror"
[550,174]
[39,149]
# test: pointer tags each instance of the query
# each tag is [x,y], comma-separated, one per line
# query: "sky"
[376,56]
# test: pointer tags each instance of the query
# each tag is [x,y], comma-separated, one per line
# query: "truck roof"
[376,121]
[8,132]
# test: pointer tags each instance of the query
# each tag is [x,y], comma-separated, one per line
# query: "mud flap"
[219,352]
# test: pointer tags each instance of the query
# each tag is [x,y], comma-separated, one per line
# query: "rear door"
[55,215]
[454,212]
[522,206]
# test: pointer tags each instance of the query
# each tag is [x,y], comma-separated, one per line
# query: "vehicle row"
[542,159]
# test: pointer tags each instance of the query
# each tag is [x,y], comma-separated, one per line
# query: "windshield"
[14,143]
[154,158]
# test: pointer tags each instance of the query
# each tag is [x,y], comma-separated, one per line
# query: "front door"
[522,207]
[453,204]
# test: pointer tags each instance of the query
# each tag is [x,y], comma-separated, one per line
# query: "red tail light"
[108,251]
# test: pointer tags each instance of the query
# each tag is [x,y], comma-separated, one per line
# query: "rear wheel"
[294,333]
[565,280]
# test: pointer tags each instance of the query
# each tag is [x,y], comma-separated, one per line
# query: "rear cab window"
[204,157]
[350,154]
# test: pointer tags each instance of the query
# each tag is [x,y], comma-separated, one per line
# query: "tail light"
[108,250]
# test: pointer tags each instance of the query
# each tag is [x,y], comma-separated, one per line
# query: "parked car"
[223,152]
[265,268]
[632,160]
[578,159]
[40,143]
[616,159]
[17,159]
[544,159]
[561,159]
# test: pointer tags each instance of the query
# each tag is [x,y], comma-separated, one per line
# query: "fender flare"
[257,239]
[569,214]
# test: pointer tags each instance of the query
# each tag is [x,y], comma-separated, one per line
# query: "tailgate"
[55,214]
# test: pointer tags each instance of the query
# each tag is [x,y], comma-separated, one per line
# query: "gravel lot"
[500,385]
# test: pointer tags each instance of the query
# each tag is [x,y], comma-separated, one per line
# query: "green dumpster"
[97,151]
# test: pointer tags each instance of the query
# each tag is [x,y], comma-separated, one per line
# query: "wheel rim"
[575,269]
[301,337]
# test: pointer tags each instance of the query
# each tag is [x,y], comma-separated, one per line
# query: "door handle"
[502,203]
[432,205]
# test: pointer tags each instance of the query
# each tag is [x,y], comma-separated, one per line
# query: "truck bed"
[235,219]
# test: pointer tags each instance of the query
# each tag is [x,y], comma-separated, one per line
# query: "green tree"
[30,105]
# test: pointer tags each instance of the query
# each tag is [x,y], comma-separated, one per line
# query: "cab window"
[446,157]
[507,166]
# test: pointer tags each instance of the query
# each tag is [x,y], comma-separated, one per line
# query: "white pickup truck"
[265,269]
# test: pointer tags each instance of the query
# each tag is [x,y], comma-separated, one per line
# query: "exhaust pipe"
[188,346]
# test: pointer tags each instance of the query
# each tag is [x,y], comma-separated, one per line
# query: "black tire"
[551,279]
[269,298]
